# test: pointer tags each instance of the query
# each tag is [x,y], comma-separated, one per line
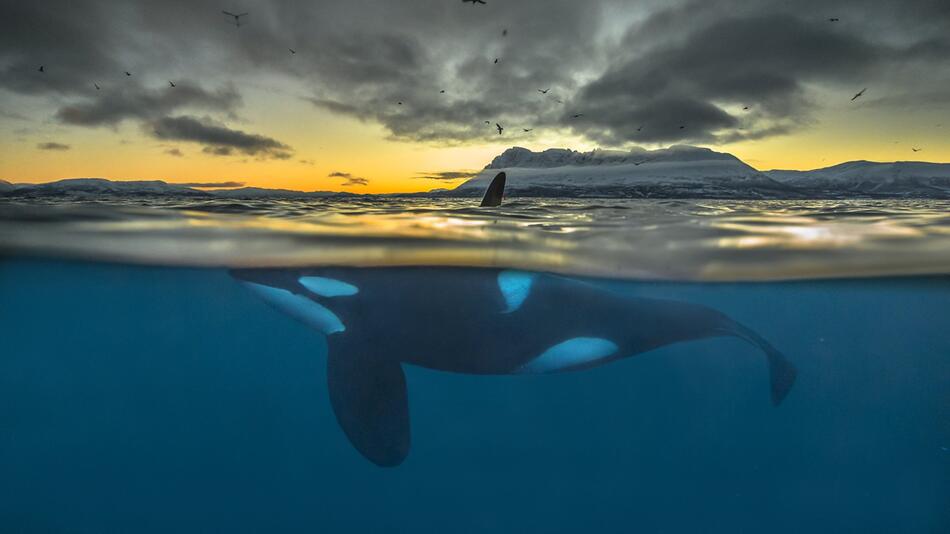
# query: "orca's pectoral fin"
[371,404]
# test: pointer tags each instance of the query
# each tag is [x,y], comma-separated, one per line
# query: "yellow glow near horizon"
[324,143]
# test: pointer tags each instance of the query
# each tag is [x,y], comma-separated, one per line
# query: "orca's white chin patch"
[515,287]
[571,353]
[299,307]
[328,287]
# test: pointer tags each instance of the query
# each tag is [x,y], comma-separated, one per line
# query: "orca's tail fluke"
[781,371]
[495,192]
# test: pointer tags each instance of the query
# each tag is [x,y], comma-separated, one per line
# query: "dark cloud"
[217,138]
[174,152]
[623,65]
[212,185]
[348,179]
[446,175]
[354,180]
[109,107]
[52,146]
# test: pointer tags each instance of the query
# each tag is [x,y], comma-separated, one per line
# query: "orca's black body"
[475,321]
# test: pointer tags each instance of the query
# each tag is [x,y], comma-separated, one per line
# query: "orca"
[475,321]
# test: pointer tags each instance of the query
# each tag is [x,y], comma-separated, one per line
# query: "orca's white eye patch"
[515,286]
[328,287]
[299,307]
[573,352]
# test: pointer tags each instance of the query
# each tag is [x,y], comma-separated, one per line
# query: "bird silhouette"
[97,86]
[857,96]
[915,149]
[292,51]
[171,84]
[496,60]
[544,91]
[474,2]
[504,33]
[42,68]
[442,92]
[527,129]
[127,73]
[681,127]
[577,115]
[833,19]
[237,18]
[400,103]
[500,129]
[639,128]
[745,108]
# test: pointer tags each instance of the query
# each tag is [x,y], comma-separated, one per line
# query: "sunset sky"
[328,116]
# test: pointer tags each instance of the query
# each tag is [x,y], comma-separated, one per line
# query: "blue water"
[147,399]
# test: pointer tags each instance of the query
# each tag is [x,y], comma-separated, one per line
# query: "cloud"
[218,139]
[52,146]
[348,179]
[656,64]
[174,152]
[109,107]
[212,185]
[446,175]
[354,180]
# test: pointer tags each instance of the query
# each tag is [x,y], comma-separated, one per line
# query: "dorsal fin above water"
[495,192]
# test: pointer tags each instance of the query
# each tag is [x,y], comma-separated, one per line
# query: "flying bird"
[442,92]
[292,51]
[833,19]
[857,96]
[97,86]
[500,129]
[171,84]
[127,73]
[527,129]
[915,149]
[681,127]
[577,115]
[487,122]
[237,18]
[400,103]
[504,33]
[639,128]
[474,2]
[41,69]
[745,108]
[496,60]
[544,91]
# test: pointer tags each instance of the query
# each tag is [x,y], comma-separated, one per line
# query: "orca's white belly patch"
[299,307]
[570,353]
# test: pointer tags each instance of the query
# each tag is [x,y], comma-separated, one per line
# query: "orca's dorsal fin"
[495,192]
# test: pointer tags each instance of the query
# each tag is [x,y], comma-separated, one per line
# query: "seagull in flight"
[745,108]
[833,19]
[442,92]
[577,115]
[292,51]
[41,69]
[127,73]
[544,91]
[500,129]
[857,96]
[639,128]
[97,86]
[237,18]
[171,84]
[496,60]
[681,127]
[527,129]
[474,2]
[915,149]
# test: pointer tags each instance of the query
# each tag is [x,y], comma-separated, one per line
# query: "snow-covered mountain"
[869,178]
[678,171]
[685,171]
[103,187]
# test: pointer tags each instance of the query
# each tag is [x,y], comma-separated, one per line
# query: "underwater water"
[147,396]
